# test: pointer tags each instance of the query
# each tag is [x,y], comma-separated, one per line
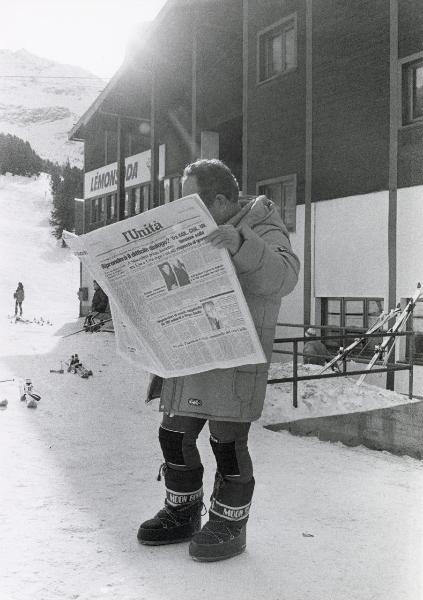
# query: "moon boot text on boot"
[171,525]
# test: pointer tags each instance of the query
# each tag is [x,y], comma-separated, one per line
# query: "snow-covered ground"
[79,472]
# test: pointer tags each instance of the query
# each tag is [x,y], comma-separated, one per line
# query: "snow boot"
[180,518]
[224,535]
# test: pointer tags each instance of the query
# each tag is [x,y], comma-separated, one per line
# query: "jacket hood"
[255,211]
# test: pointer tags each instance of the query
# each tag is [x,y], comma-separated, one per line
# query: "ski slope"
[79,472]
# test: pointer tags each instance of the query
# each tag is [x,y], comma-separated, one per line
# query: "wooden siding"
[177,140]
[350,97]
[276,109]
[410,139]
[219,77]
[410,156]
[410,18]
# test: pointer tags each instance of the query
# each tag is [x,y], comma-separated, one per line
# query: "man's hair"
[213,177]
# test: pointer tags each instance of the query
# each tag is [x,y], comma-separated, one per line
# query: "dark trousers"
[238,467]
[17,303]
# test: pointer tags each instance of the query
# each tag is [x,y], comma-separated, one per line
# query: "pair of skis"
[91,327]
[19,319]
[344,352]
[384,349]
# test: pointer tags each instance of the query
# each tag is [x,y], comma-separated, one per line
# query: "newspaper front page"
[176,302]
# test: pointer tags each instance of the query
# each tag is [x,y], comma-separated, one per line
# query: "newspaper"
[176,302]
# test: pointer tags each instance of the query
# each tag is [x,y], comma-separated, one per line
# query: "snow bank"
[322,397]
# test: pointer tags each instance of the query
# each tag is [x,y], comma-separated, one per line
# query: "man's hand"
[226,236]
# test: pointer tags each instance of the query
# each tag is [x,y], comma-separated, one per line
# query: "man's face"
[95,285]
[189,186]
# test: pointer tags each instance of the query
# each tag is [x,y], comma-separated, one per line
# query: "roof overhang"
[77,133]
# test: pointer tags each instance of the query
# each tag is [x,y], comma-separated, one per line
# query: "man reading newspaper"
[229,399]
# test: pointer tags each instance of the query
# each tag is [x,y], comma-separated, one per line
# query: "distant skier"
[19,296]
[315,352]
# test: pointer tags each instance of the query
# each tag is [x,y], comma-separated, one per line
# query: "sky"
[92,34]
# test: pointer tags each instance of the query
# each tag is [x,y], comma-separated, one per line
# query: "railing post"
[344,359]
[295,374]
[411,365]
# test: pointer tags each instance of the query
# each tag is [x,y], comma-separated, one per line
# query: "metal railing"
[295,341]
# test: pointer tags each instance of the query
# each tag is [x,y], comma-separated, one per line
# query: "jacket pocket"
[250,389]
[168,394]
[210,393]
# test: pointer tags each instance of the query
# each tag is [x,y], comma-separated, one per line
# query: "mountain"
[40,100]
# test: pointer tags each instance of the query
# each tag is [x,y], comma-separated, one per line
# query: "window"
[97,210]
[170,189]
[283,192]
[127,208]
[100,209]
[416,325]
[137,200]
[145,194]
[166,191]
[133,202]
[356,315]
[111,207]
[176,188]
[412,88]
[94,210]
[277,52]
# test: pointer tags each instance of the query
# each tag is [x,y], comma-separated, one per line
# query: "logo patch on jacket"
[194,402]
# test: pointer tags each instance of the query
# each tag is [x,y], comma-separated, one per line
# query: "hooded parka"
[267,270]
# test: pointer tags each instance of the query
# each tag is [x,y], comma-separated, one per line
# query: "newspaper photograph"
[176,301]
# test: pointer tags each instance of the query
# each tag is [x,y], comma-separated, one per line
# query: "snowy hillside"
[40,100]
[328,522]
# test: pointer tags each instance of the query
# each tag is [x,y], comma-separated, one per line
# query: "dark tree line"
[17,157]
[66,182]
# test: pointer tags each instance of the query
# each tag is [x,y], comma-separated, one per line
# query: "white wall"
[351,246]
[409,240]
[409,262]
[350,249]
[351,253]
[292,305]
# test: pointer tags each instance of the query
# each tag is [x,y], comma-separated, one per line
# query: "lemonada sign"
[104,180]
